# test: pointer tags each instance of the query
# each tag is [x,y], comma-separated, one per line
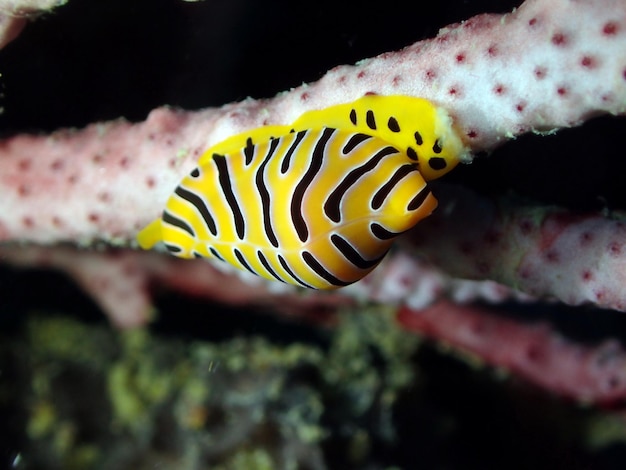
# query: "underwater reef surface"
[77,394]
[205,387]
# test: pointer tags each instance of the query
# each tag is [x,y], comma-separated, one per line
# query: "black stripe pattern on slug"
[265,197]
[227,189]
[297,199]
[317,208]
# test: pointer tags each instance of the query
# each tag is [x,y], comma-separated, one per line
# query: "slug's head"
[415,126]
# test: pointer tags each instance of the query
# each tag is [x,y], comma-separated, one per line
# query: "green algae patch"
[94,397]
[84,396]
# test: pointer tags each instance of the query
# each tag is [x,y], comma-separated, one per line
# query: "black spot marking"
[215,253]
[353,116]
[195,173]
[200,204]
[321,271]
[267,266]
[248,151]
[243,261]
[386,188]
[393,125]
[370,119]
[437,146]
[176,222]
[412,154]
[437,163]
[284,166]
[418,200]
[352,255]
[355,140]
[293,276]
[173,248]
[418,138]
[382,233]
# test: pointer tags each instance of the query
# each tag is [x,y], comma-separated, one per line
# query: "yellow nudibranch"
[317,203]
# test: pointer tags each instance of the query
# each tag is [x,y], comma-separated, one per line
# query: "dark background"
[99,60]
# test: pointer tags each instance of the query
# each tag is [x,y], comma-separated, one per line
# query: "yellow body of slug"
[317,203]
[415,126]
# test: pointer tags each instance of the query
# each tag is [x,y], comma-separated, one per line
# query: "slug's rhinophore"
[318,203]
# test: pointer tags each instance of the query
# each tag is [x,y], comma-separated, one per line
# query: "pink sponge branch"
[14,15]
[409,280]
[102,182]
[547,65]
[121,282]
[543,251]
[10,28]
[534,352]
